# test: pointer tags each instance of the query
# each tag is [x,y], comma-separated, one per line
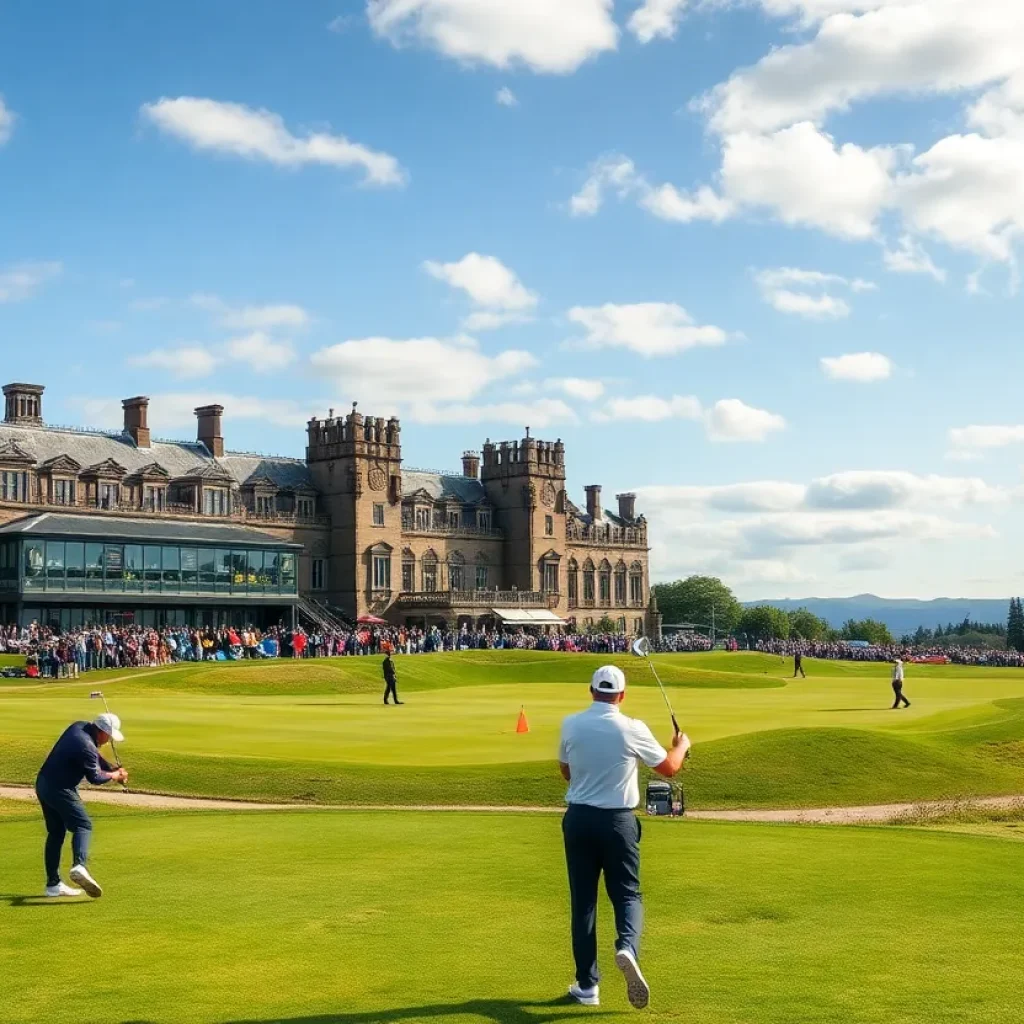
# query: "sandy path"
[816,816]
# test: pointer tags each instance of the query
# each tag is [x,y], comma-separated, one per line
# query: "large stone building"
[123,527]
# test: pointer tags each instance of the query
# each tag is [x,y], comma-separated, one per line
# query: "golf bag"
[665,799]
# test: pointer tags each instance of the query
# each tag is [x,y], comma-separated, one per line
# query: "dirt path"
[817,816]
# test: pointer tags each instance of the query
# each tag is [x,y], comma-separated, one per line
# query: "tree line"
[705,602]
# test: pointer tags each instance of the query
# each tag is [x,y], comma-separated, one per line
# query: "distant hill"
[900,615]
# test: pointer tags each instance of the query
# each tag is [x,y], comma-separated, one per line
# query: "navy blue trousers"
[602,842]
[63,812]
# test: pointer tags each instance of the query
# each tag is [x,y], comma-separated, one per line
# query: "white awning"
[528,617]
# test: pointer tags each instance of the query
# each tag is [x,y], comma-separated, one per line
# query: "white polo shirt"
[602,746]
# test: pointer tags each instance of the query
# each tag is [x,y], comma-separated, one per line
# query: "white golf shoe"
[637,990]
[585,996]
[60,889]
[86,881]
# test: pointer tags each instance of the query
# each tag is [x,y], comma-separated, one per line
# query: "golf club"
[642,649]
[98,695]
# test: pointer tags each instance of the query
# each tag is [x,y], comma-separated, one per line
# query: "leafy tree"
[764,623]
[805,625]
[1015,625]
[871,630]
[692,599]
[605,624]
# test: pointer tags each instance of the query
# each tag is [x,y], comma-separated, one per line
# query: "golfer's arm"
[566,773]
[671,765]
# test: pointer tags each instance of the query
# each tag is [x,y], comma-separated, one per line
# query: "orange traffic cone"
[522,725]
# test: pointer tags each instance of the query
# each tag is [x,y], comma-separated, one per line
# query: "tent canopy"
[528,617]
[371,620]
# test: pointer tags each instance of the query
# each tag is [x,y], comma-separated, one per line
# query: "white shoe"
[637,989]
[585,996]
[85,880]
[60,889]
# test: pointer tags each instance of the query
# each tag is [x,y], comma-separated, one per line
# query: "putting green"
[318,917]
[316,730]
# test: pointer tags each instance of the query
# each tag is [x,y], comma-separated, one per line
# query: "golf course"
[360,912]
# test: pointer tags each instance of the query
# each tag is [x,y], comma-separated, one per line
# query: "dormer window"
[62,492]
[265,505]
[153,498]
[13,485]
[108,495]
[215,502]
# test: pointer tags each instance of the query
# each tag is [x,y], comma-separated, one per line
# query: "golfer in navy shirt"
[599,753]
[75,756]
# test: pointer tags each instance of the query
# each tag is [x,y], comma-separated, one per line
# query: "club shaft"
[664,693]
[113,745]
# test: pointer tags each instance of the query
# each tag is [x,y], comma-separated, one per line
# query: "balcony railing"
[450,530]
[477,598]
[610,536]
[590,603]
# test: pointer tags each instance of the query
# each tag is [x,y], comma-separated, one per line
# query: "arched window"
[636,584]
[588,581]
[380,567]
[483,570]
[620,586]
[428,567]
[408,571]
[573,582]
[456,571]
[604,582]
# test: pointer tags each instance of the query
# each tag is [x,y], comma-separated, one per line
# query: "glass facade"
[39,564]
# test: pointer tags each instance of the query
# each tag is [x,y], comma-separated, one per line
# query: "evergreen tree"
[1015,625]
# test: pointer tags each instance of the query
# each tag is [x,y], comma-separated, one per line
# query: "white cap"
[111,725]
[608,679]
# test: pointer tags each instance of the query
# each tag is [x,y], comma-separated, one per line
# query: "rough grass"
[333,918]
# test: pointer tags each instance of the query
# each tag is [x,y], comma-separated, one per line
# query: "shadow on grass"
[500,1011]
[37,900]
[836,711]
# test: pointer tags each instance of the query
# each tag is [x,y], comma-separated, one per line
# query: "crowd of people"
[842,650]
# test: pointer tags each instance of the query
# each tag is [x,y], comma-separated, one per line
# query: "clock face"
[377,478]
[548,494]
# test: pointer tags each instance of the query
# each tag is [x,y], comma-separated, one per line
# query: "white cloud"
[251,318]
[340,24]
[610,173]
[577,387]
[881,489]
[539,414]
[182,361]
[807,292]
[979,438]
[647,328]
[911,258]
[259,353]
[22,281]
[486,280]
[425,371]
[6,122]
[505,97]
[730,420]
[657,19]
[670,203]
[650,409]
[262,135]
[756,496]
[547,37]
[861,367]
[176,410]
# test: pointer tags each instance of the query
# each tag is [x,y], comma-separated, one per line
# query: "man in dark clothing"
[75,756]
[798,665]
[390,680]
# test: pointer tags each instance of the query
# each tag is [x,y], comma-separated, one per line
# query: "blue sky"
[741,260]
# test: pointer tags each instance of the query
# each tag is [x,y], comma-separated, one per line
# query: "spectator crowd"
[842,650]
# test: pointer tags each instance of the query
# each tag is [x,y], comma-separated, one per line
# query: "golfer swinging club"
[598,755]
[75,756]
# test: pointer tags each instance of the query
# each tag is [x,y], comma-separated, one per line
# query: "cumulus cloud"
[657,19]
[251,318]
[728,420]
[183,361]
[976,439]
[176,410]
[546,37]
[577,387]
[21,281]
[808,293]
[505,97]
[647,328]
[496,291]
[731,420]
[650,409]
[393,373]
[539,414]
[238,130]
[259,353]
[6,122]
[880,489]
[910,257]
[861,367]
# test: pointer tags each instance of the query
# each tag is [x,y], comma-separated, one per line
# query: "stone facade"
[499,541]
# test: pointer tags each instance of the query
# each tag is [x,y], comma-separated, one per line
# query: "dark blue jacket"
[75,757]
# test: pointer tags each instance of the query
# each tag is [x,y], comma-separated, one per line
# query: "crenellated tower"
[525,481]
[356,464]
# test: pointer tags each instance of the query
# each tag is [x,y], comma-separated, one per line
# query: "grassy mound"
[328,918]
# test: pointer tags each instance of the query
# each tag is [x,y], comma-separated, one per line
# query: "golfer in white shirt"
[599,754]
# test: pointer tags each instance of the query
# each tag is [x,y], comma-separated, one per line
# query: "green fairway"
[316,731]
[319,917]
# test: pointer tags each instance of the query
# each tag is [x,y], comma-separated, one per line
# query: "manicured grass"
[316,730]
[314,917]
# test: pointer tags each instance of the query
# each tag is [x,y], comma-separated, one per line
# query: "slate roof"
[179,458]
[441,486]
[53,524]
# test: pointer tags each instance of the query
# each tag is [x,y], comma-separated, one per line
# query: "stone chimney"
[136,420]
[627,506]
[209,429]
[23,403]
[594,502]
[471,465]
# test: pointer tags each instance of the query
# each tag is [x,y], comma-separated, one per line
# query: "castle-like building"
[121,527]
